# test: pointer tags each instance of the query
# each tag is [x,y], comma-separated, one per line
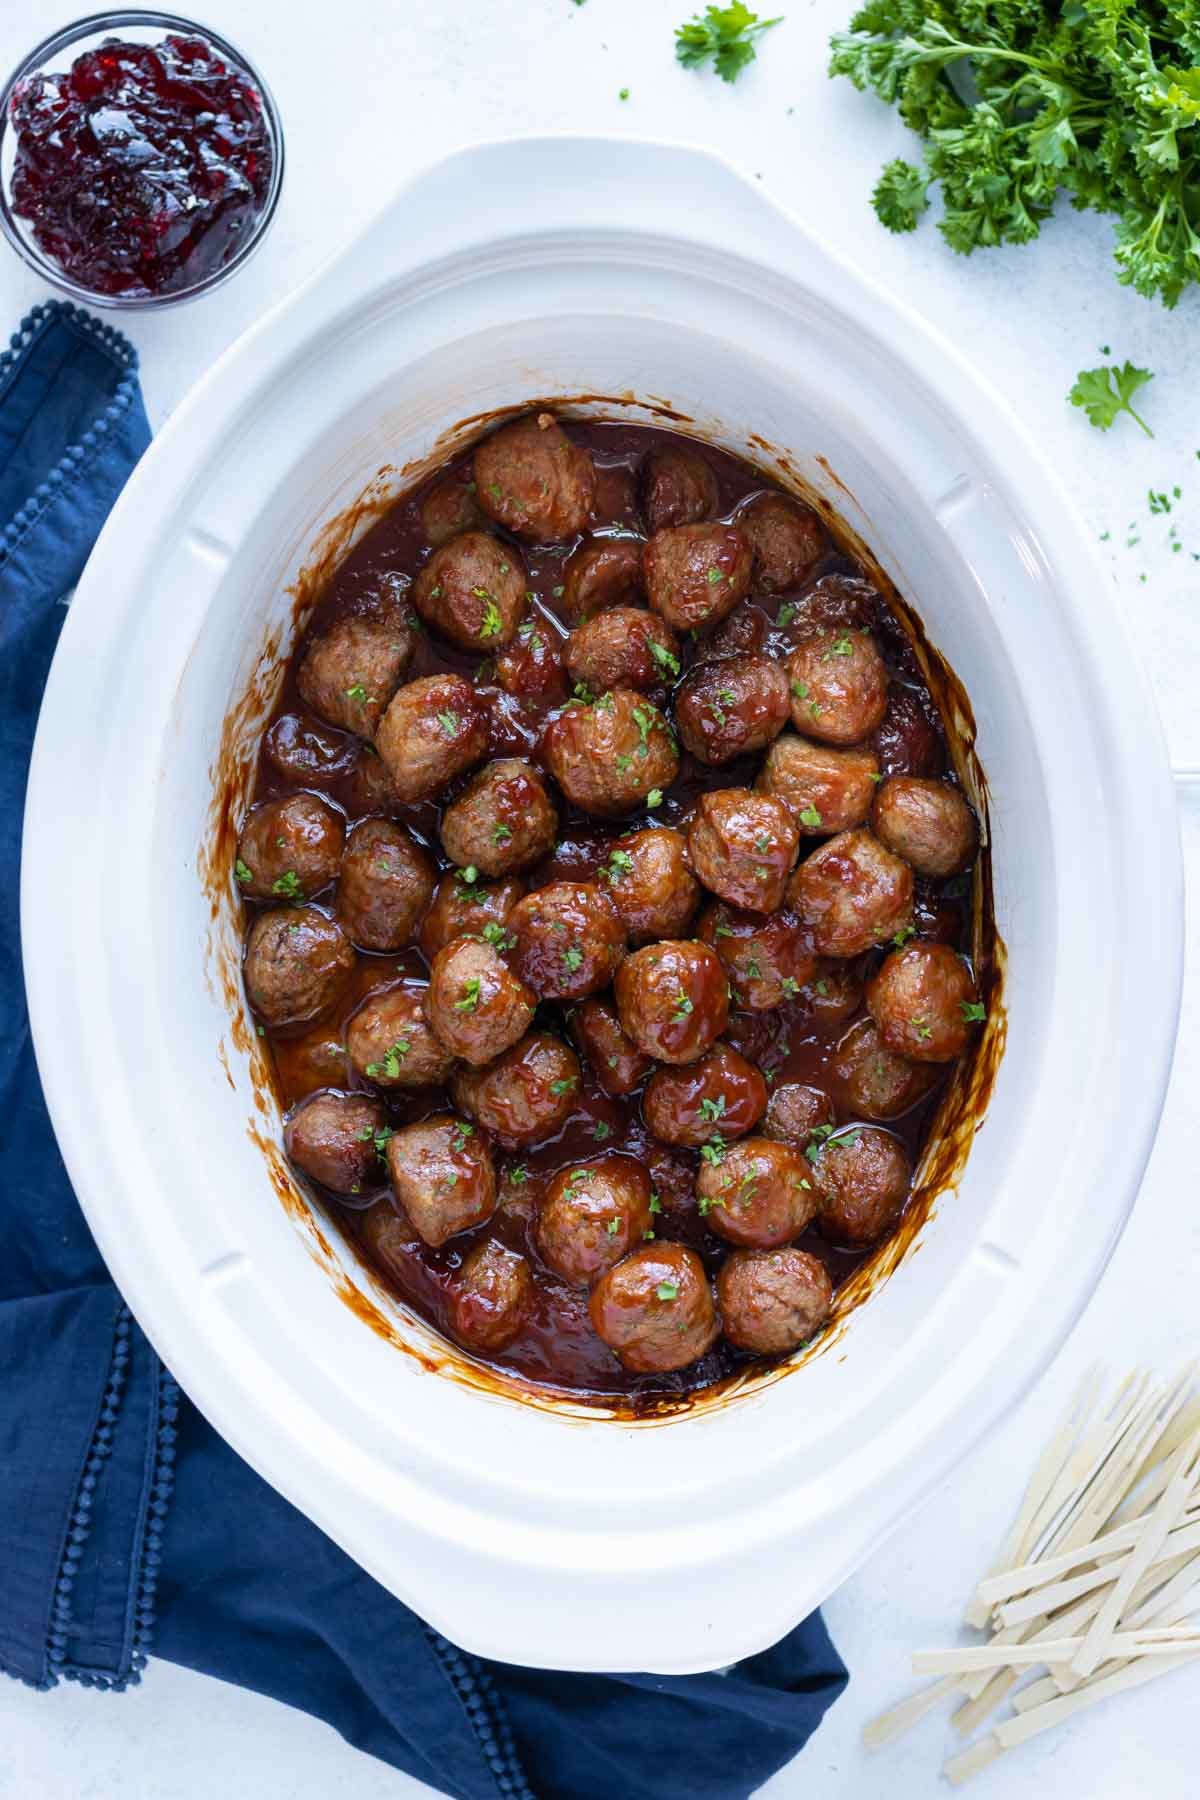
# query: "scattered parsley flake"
[470,996]
[243,873]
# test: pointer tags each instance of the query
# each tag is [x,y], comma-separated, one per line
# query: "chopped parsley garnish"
[786,615]
[470,996]
[654,798]
[753,969]
[601,1130]
[496,936]
[663,657]
[667,1290]
[462,1132]
[492,622]
[822,988]
[501,834]
[800,690]
[811,817]
[712,1110]
[468,876]
[720,931]
[683,1006]
[973,1012]
[791,987]
[357,693]
[713,576]
[564,1085]
[389,1063]
[242,872]
[619,863]
[655,1203]
[902,936]
[624,763]
[573,958]
[449,722]
[922,1028]
[713,1152]
[762,844]
[841,647]
[645,720]
[613,1226]
[518,1176]
[288,884]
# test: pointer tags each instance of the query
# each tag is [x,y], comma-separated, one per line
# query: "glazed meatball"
[300,748]
[845,601]
[592,1216]
[386,886]
[787,540]
[864,1176]
[350,672]
[531,667]
[655,1309]
[464,906]
[773,1300]
[475,1003]
[731,706]
[433,730]
[534,481]
[873,1081]
[609,756]
[795,1111]
[332,1138]
[526,1095]
[676,487]
[839,686]
[503,820]
[722,1094]
[852,893]
[602,573]
[391,1043]
[567,940]
[928,823]
[767,960]
[696,574]
[744,632]
[834,994]
[908,741]
[672,1000]
[450,507]
[472,590]
[825,789]
[491,1298]
[298,962]
[625,647]
[648,880]
[290,847]
[759,1193]
[924,1001]
[742,846]
[443,1176]
[615,1060]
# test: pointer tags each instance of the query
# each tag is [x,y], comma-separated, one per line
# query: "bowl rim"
[112,19]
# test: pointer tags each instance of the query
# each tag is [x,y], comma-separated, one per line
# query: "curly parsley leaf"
[900,195]
[726,34]
[1107,391]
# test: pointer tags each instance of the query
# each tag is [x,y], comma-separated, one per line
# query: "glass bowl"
[54,55]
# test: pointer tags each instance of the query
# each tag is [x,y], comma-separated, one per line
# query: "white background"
[369,90]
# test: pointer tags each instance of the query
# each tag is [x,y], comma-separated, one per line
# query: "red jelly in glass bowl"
[145,169]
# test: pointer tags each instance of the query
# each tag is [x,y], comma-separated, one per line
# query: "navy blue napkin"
[123,1516]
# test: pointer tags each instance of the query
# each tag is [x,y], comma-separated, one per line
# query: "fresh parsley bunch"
[1017,100]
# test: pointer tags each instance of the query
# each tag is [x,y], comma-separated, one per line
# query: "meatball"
[433,730]
[928,823]
[673,1000]
[650,884]
[391,1043]
[625,647]
[721,1095]
[767,960]
[834,994]
[472,590]
[491,1297]
[301,749]
[602,573]
[615,1060]
[450,507]
[825,789]
[759,1192]
[742,847]
[332,1138]
[531,667]
[475,1003]
[503,820]
[863,1175]
[773,1300]
[845,601]
[852,893]
[534,481]
[443,1176]
[290,847]
[731,706]
[608,757]
[924,1001]
[567,940]
[350,672]
[464,906]
[839,686]
[655,1309]
[908,742]
[786,538]
[386,886]
[744,632]
[525,1095]
[676,487]
[297,964]
[696,574]
[873,1081]
[795,1111]
[592,1216]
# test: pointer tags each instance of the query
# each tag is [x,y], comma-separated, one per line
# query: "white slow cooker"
[640,273]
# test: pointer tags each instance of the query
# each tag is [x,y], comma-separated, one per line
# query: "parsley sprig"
[726,34]
[1108,391]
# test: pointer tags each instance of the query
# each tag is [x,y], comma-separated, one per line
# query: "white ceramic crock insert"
[563,267]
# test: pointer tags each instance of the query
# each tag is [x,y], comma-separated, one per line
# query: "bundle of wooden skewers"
[1096,1584]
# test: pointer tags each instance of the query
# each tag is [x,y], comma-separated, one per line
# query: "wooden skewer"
[1011,1732]
[906,1713]
[1183,1540]
[1165,1641]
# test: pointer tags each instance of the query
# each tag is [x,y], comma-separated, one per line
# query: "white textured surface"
[411,82]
